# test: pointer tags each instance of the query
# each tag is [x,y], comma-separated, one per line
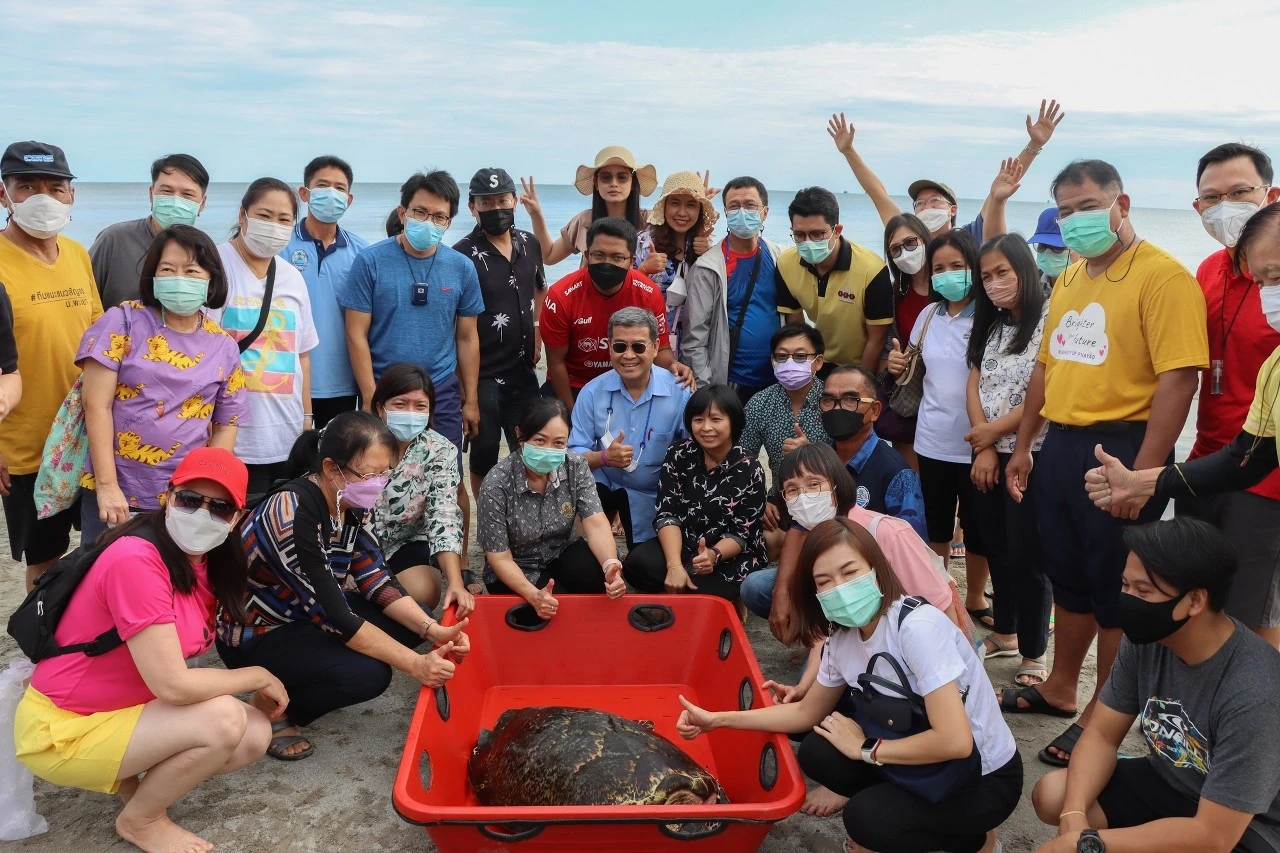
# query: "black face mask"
[841,424]
[1148,621]
[496,222]
[606,276]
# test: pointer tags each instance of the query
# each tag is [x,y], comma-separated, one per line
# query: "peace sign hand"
[529,197]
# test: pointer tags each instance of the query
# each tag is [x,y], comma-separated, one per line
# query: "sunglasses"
[189,501]
[637,347]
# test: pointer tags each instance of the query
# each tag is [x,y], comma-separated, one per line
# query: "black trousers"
[576,571]
[888,819]
[501,405]
[317,668]
[616,501]
[326,409]
[263,476]
[646,570]
[1011,534]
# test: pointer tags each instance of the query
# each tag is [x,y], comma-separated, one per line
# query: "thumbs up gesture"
[434,669]
[705,560]
[795,441]
[1113,487]
[614,584]
[544,603]
[693,720]
[897,359]
[617,454]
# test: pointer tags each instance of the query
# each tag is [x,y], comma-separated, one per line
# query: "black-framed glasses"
[615,259]
[908,245]
[848,402]
[812,236]
[797,357]
[1237,194]
[189,501]
[637,347]
[421,214]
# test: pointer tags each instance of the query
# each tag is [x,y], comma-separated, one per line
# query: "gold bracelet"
[1064,814]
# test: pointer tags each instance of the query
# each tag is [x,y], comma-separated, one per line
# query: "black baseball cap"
[491,181]
[34,158]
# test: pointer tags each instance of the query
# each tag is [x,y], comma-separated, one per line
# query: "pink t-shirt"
[911,559]
[129,588]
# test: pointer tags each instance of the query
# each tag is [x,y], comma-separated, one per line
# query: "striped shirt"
[297,573]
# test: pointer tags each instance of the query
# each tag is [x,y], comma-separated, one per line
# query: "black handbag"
[890,709]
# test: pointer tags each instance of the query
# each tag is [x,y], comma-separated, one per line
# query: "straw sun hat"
[616,155]
[683,183]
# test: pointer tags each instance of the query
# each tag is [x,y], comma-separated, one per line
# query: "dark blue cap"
[1047,231]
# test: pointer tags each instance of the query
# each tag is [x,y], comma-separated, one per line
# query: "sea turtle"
[581,757]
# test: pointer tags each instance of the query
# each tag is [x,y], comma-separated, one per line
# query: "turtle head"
[691,789]
[686,797]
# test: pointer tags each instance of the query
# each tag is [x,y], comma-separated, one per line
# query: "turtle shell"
[582,757]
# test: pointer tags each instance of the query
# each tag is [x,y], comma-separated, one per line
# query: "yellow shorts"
[70,749]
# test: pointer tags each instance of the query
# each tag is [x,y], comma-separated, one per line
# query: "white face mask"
[911,262]
[1226,219]
[266,239]
[196,533]
[41,216]
[1271,304]
[934,218]
[811,510]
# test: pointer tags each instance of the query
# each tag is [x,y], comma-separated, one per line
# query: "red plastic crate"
[631,657]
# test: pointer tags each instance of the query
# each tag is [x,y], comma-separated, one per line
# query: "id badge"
[419,295]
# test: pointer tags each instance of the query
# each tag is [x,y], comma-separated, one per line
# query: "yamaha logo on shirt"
[300,259]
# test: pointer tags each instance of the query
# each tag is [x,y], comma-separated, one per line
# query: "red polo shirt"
[1241,338]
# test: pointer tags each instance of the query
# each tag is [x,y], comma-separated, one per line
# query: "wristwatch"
[868,747]
[1090,842]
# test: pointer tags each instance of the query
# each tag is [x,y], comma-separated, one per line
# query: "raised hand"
[702,242]
[544,603]
[529,197]
[693,720]
[654,262]
[841,133]
[1042,130]
[897,361]
[796,440]
[705,560]
[1007,180]
[711,191]
[617,454]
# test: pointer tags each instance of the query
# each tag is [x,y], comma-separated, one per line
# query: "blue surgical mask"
[174,210]
[814,251]
[854,603]
[542,460]
[422,235]
[406,426]
[180,294]
[744,223]
[953,285]
[1052,263]
[327,204]
[1088,232]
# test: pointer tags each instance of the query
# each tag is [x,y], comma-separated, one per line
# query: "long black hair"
[599,208]
[227,566]
[988,319]
[342,440]
[967,247]
[902,281]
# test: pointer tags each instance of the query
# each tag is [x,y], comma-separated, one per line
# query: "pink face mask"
[362,494]
[1003,291]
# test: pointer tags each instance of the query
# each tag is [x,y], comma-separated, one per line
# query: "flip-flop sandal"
[279,743]
[1036,704]
[1001,650]
[1065,742]
[984,617]
[471,583]
[957,550]
[1038,670]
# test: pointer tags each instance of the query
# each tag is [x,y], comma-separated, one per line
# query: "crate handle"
[726,644]
[514,836]
[651,617]
[442,703]
[679,832]
[523,617]
[424,770]
[768,767]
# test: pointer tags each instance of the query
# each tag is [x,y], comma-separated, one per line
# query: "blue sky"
[935,89]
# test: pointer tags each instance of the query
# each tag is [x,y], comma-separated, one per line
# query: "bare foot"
[851,846]
[992,845]
[128,787]
[823,802]
[159,835]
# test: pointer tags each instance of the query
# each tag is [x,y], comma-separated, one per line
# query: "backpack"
[36,619]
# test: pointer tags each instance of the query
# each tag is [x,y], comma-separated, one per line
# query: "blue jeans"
[757,591]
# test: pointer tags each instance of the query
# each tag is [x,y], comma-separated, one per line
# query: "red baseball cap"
[218,466]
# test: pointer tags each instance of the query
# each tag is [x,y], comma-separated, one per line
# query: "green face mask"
[174,210]
[1052,263]
[180,294]
[952,285]
[1088,232]
[853,603]
[542,460]
[814,251]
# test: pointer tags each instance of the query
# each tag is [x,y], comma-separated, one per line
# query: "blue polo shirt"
[886,483]
[325,271]
[752,367]
[381,284]
[652,424]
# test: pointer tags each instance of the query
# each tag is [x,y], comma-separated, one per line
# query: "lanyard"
[1216,366]
[648,418]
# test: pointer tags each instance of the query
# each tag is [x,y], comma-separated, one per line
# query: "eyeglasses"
[908,245]
[1043,248]
[364,478]
[616,260]
[797,357]
[188,501]
[637,347]
[421,214]
[810,487]
[613,177]
[932,201]
[812,236]
[750,207]
[1238,194]
[848,402]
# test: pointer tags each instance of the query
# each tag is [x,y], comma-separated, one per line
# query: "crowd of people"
[262,443]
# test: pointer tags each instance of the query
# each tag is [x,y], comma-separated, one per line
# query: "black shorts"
[501,406]
[407,556]
[40,539]
[943,485]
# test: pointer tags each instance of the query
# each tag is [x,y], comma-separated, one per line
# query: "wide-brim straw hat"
[616,155]
[683,183]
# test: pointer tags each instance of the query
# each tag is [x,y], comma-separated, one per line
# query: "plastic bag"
[18,816]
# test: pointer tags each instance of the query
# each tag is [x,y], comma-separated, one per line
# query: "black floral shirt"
[510,291]
[770,422]
[724,502]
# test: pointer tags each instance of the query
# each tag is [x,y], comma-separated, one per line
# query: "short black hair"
[857,370]
[815,201]
[394,225]
[540,412]
[743,182]
[1077,172]
[821,459]
[1267,219]
[438,182]
[343,439]
[1231,151]
[613,226]
[327,161]
[184,163]
[201,247]
[401,379]
[795,330]
[1185,553]
[723,398]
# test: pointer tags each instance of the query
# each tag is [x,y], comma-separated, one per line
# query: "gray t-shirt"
[1207,725]
[117,255]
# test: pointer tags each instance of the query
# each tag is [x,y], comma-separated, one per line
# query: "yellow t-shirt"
[1107,339]
[53,305]
[857,293]
[1264,414]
